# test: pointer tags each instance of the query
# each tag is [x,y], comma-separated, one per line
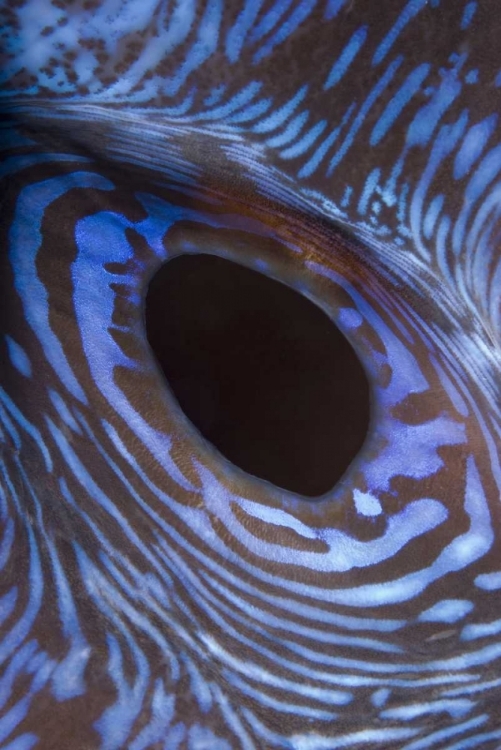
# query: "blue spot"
[366,504]
[349,318]
[345,202]
[472,76]
[8,601]
[67,678]
[489,581]
[333,8]
[411,9]
[379,697]
[409,88]
[481,630]
[369,187]
[402,203]
[346,57]
[250,113]
[18,357]
[473,144]
[456,708]
[468,13]
[448,610]
[428,117]
[63,411]
[432,215]
[215,96]
[261,265]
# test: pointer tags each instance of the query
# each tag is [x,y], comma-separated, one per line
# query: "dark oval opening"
[260,370]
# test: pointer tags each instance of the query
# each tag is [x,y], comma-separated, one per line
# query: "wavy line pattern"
[153,595]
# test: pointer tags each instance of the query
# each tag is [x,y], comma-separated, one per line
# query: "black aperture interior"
[260,370]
